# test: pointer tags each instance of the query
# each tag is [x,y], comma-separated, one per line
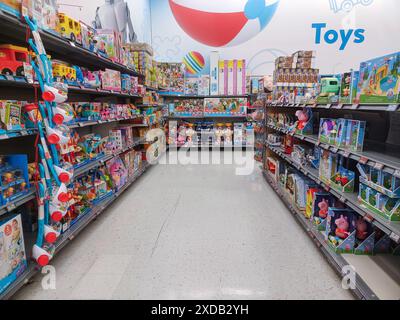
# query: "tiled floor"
[193,232]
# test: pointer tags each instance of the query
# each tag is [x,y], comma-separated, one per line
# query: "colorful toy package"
[340,230]
[348,88]
[12,251]
[11,6]
[186,107]
[225,106]
[380,80]
[118,172]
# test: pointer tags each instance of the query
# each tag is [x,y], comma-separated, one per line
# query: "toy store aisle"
[193,232]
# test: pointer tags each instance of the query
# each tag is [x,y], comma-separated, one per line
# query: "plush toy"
[182,135]
[323,209]
[342,230]
[303,117]
[362,229]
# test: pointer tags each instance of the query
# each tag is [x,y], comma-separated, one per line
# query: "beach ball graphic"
[194,62]
[223,23]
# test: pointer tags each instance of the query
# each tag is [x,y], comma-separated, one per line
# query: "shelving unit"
[15,31]
[369,282]
[70,235]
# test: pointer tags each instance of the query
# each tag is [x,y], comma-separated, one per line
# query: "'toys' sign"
[220,23]
[342,36]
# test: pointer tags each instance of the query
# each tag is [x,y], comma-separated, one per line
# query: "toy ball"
[194,62]
[223,23]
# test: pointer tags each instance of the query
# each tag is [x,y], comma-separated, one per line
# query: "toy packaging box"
[12,251]
[343,180]
[223,77]
[379,80]
[214,73]
[111,80]
[175,77]
[348,88]
[365,237]
[340,232]
[10,115]
[204,86]
[225,106]
[118,172]
[110,42]
[320,203]
[355,135]
[192,86]
[14,177]
[327,166]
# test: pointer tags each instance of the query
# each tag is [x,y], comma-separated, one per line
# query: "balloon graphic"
[194,62]
[223,23]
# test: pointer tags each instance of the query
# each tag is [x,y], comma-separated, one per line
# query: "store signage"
[343,37]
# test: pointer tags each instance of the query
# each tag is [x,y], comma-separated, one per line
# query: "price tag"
[72,44]
[363,160]
[340,106]
[392,107]
[328,106]
[397,173]
[378,166]
[369,218]
[334,150]
[354,106]
[395,237]
[3,137]
[346,154]
[327,188]
[11,206]
[24,133]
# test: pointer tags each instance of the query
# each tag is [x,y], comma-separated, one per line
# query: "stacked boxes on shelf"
[295,79]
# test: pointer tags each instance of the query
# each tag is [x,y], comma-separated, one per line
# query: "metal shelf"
[183,96]
[354,107]
[14,31]
[18,202]
[362,290]
[208,117]
[350,199]
[30,89]
[375,159]
[70,234]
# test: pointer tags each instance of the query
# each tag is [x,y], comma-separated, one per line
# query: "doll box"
[355,135]
[380,80]
[343,181]
[320,204]
[340,232]
[12,251]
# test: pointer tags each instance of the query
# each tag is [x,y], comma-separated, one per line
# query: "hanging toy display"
[55,174]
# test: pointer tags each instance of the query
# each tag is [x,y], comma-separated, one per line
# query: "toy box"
[223,77]
[111,80]
[343,180]
[12,251]
[341,135]
[355,135]
[340,232]
[88,36]
[192,86]
[365,237]
[328,131]
[302,185]
[204,86]
[109,42]
[381,181]
[348,88]
[225,106]
[49,15]
[329,89]
[379,80]
[320,204]
[118,172]
[214,73]
[33,9]
[10,115]
[175,81]
[327,166]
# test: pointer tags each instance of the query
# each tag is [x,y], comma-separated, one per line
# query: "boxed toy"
[175,80]
[328,131]
[348,88]
[225,106]
[379,80]
[88,36]
[204,86]
[329,89]
[110,43]
[118,172]
[111,80]
[355,135]
[191,86]
[343,180]
[365,238]
[49,15]
[69,28]
[241,77]
[340,230]
[231,77]
[33,9]
[223,77]
[320,204]
[12,251]
[302,185]
[14,177]
[214,73]
[327,166]
[10,115]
